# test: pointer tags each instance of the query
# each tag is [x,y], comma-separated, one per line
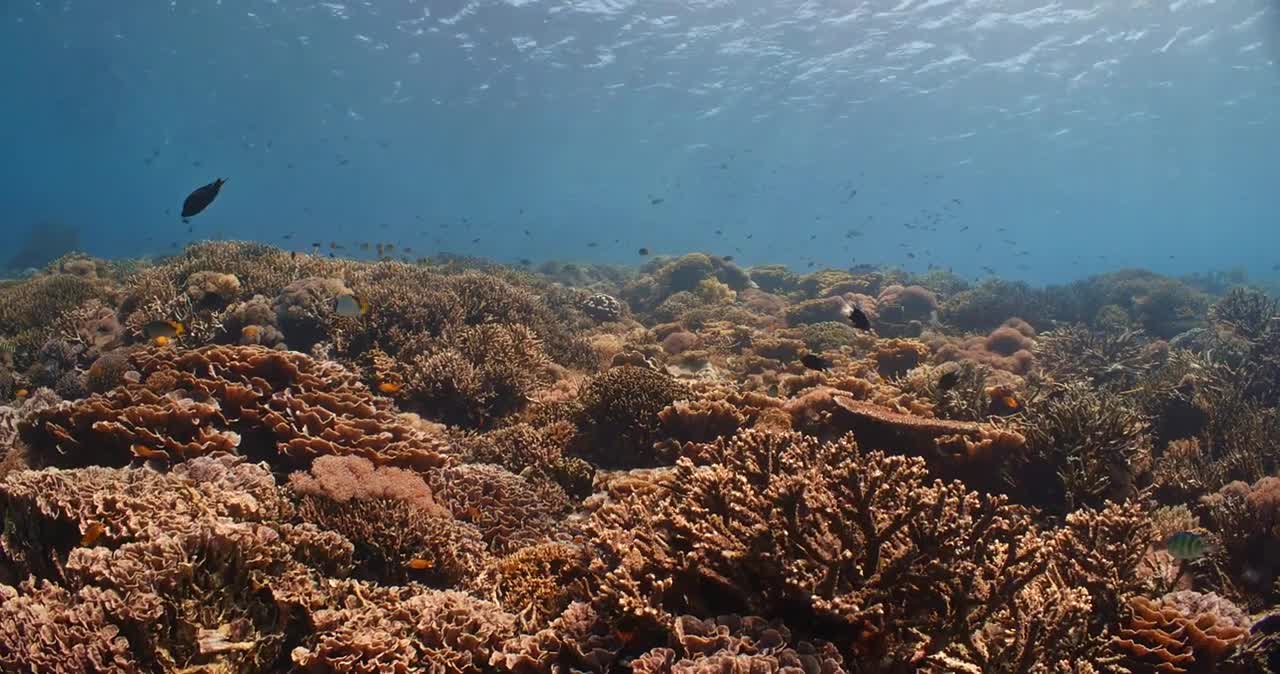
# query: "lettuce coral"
[280,406]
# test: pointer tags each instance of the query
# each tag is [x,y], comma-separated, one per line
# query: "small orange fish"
[21,393]
[146,453]
[92,534]
[625,636]
[1011,403]
[419,564]
[388,387]
[160,340]
[251,331]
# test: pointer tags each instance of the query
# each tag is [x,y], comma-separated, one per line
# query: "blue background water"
[1097,134]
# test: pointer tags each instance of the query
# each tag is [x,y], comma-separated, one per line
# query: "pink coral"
[343,478]
[1008,347]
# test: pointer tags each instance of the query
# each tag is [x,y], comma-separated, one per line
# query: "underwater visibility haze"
[1092,136]
[712,337]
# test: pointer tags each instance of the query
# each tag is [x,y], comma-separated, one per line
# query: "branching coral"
[618,421]
[476,374]
[1113,360]
[862,546]
[1083,448]
[537,582]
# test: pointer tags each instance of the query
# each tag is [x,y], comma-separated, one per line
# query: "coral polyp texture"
[212,463]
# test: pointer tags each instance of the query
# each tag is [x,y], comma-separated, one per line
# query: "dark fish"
[815,362]
[201,198]
[644,251]
[728,258]
[948,380]
[656,200]
[859,318]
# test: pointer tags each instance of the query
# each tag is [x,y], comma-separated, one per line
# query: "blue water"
[1096,134]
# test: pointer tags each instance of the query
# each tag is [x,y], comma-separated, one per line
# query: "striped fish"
[1186,545]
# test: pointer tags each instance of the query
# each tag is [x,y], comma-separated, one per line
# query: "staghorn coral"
[1247,311]
[618,418]
[1083,447]
[1114,360]
[772,522]
[280,406]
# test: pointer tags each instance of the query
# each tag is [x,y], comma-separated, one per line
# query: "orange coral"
[1180,635]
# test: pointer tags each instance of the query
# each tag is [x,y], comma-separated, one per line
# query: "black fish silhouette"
[815,362]
[201,198]
[859,319]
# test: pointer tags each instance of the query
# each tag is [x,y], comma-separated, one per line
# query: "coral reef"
[683,466]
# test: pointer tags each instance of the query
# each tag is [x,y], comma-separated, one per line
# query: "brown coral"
[280,406]
[1008,347]
[1178,636]
[618,420]
[399,629]
[856,542]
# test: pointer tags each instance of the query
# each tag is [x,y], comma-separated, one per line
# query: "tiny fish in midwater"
[643,252]
[350,306]
[815,362]
[1186,545]
[201,198]
[656,200]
